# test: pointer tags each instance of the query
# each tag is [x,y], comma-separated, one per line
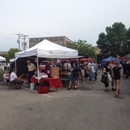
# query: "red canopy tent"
[86,59]
[123,57]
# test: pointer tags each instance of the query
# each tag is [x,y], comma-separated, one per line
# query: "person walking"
[107,70]
[82,72]
[31,70]
[96,69]
[74,76]
[124,70]
[93,73]
[113,84]
[117,76]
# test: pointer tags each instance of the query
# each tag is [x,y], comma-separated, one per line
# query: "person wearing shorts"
[74,78]
[117,76]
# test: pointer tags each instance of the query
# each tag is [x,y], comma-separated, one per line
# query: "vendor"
[48,67]
[31,70]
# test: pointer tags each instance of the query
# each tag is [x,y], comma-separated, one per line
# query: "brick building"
[62,40]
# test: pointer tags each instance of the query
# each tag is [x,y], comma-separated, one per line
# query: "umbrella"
[127,56]
[111,58]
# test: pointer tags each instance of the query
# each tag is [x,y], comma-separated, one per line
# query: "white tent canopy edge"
[48,49]
[2,58]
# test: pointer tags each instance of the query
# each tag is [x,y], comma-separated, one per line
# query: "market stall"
[110,59]
[47,49]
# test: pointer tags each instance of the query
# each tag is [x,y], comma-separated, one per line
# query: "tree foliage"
[11,53]
[83,48]
[116,41]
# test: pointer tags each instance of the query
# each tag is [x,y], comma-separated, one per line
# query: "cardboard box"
[55,72]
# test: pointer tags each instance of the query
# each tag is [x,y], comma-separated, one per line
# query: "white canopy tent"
[2,58]
[13,60]
[48,49]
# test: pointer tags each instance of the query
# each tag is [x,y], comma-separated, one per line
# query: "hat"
[85,62]
[14,69]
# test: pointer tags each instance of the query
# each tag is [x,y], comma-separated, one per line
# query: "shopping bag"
[109,77]
[104,78]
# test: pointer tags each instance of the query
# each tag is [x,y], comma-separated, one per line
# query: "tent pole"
[38,69]
[15,64]
[77,62]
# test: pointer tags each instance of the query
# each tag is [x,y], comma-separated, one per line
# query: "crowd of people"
[86,69]
[114,69]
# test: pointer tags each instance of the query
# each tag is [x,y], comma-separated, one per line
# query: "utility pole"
[18,41]
[24,43]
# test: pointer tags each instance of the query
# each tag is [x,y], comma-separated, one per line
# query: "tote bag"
[109,77]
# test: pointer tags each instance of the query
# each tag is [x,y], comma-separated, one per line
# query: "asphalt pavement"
[88,108]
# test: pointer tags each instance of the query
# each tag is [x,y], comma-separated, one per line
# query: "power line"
[18,41]
[24,43]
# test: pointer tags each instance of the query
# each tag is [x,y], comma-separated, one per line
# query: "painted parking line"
[46,95]
[36,92]
[29,90]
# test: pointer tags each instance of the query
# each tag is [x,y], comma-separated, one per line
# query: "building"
[3,53]
[62,40]
[97,50]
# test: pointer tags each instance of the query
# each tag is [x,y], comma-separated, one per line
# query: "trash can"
[32,85]
[43,88]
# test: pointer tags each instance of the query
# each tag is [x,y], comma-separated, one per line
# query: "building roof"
[49,37]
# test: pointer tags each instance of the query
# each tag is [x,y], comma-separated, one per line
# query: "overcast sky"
[75,19]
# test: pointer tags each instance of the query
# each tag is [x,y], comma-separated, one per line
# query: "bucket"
[32,85]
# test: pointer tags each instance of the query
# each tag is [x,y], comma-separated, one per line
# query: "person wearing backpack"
[74,78]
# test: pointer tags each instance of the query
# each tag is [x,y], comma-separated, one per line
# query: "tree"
[11,53]
[115,41]
[83,48]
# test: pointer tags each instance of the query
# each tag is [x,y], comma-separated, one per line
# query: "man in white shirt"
[67,66]
[15,79]
[93,73]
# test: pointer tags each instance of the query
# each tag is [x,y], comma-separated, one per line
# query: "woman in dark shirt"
[117,77]
[107,70]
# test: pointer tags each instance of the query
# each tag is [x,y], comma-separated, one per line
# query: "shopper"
[117,76]
[67,66]
[112,65]
[107,70]
[74,76]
